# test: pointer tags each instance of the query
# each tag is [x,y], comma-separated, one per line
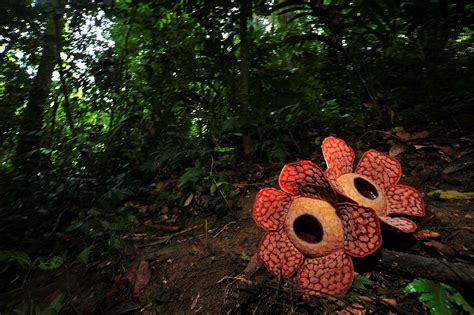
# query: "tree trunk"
[27,155]
[245,13]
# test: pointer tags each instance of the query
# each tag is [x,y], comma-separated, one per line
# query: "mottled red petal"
[362,234]
[304,178]
[331,274]
[338,155]
[406,200]
[278,255]
[270,208]
[402,224]
[383,169]
[332,175]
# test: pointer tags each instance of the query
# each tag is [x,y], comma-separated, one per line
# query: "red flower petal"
[402,224]
[383,169]
[338,155]
[270,208]
[331,274]
[406,200]
[332,175]
[278,255]
[361,229]
[304,178]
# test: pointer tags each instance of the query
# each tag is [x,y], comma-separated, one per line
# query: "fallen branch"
[165,239]
[431,268]
[164,228]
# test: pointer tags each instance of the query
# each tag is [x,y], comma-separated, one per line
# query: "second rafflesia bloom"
[308,231]
[373,183]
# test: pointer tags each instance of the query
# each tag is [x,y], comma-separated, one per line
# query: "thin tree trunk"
[62,76]
[27,156]
[245,13]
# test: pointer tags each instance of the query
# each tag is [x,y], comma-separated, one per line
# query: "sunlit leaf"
[451,194]
[439,297]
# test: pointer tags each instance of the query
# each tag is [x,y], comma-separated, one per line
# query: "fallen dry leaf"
[390,301]
[189,200]
[441,247]
[195,300]
[397,149]
[426,234]
[354,309]
[420,135]
[453,153]
[406,136]
[365,298]
[140,278]
[402,134]
[420,146]
[451,194]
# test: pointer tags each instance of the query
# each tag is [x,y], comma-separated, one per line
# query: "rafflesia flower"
[308,231]
[373,184]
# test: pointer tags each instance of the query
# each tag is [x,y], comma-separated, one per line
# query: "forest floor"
[198,268]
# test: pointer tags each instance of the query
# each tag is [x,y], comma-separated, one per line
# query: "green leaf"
[213,189]
[55,306]
[439,297]
[50,264]
[224,149]
[460,301]
[74,226]
[360,282]
[21,258]
[84,255]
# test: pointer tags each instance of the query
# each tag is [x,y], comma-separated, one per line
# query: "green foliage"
[103,227]
[85,254]
[55,306]
[361,282]
[192,176]
[211,180]
[33,308]
[14,257]
[439,297]
[52,263]
[11,303]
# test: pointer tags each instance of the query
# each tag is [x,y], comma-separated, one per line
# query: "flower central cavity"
[313,226]
[363,191]
[308,228]
[365,188]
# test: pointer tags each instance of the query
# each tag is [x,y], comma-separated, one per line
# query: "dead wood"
[431,268]
[165,228]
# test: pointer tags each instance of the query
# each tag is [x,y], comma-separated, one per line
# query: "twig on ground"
[164,239]
[224,228]
[164,228]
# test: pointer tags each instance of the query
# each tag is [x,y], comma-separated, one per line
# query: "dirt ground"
[198,269]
